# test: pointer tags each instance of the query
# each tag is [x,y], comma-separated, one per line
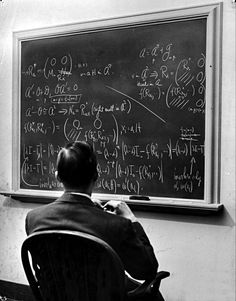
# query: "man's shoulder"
[37,210]
[45,207]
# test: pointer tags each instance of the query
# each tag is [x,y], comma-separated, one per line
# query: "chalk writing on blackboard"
[136,93]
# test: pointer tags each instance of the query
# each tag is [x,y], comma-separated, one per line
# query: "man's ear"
[56,176]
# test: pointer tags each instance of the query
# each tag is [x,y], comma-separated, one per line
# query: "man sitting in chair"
[113,222]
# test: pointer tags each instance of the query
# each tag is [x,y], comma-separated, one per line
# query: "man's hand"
[120,208]
[97,203]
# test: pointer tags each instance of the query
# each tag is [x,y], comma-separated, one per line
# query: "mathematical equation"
[146,122]
[125,167]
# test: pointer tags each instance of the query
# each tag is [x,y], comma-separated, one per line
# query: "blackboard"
[136,91]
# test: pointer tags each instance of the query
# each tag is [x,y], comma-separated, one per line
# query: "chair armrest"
[148,287]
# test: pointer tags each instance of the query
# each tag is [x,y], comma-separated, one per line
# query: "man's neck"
[87,190]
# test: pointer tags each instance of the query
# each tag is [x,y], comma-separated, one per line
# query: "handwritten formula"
[137,94]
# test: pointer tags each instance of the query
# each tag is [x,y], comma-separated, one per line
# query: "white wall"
[198,251]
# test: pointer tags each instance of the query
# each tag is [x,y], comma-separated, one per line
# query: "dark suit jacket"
[76,212]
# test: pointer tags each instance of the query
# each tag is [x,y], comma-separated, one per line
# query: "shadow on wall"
[221,218]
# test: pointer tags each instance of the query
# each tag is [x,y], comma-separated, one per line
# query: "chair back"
[72,266]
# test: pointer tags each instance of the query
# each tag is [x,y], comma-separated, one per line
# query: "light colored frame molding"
[213,14]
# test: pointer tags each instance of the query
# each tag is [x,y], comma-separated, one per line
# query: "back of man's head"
[77,165]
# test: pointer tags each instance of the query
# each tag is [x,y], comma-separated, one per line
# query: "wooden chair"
[72,266]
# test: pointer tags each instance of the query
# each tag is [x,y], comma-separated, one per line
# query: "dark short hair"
[77,164]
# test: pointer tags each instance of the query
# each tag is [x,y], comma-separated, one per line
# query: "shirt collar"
[82,194]
[75,197]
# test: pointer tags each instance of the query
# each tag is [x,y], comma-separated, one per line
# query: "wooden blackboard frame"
[213,15]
